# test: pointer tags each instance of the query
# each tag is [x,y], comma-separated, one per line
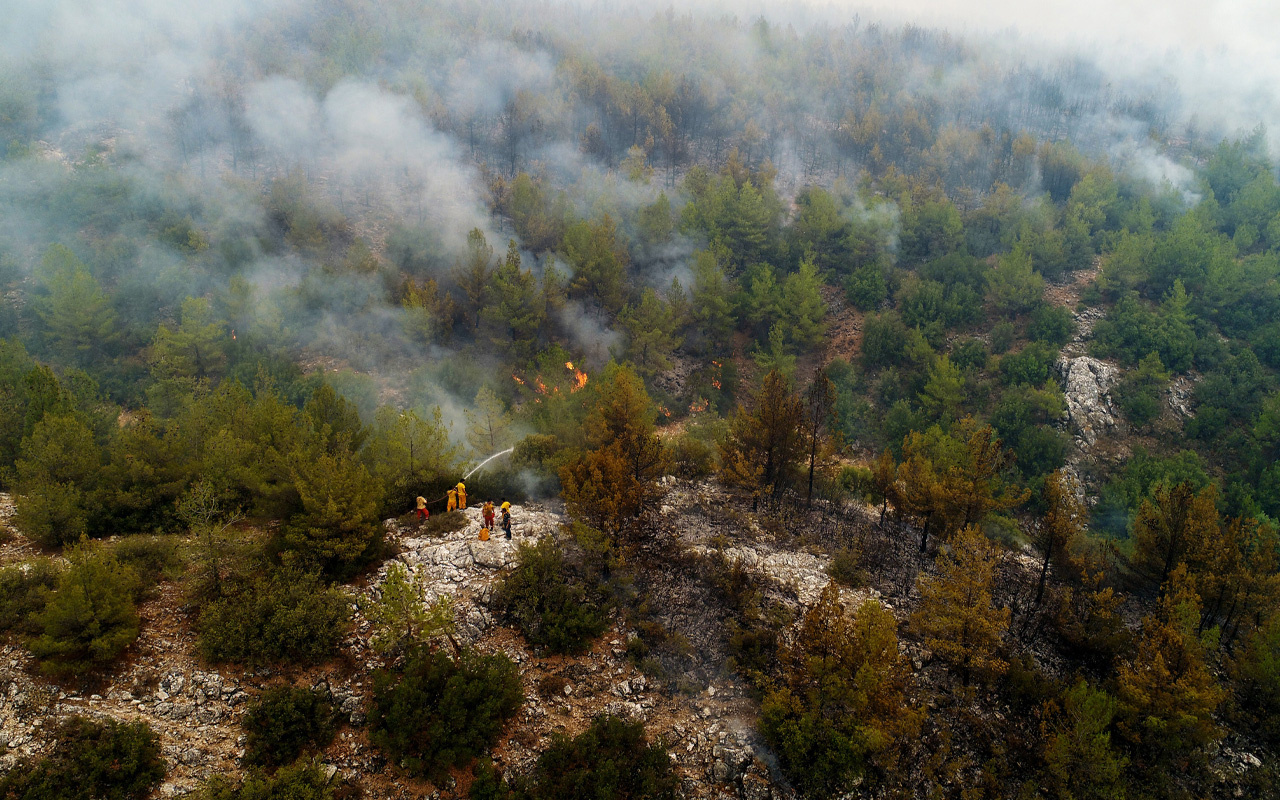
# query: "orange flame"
[699,405]
[665,411]
[579,380]
[539,386]
[568,365]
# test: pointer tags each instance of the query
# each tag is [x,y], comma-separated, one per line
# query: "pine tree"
[79,322]
[712,306]
[1083,764]
[651,332]
[489,424]
[777,357]
[655,224]
[802,307]
[195,350]
[516,311]
[334,421]
[91,619]
[598,261]
[681,312]
[917,489]
[615,479]
[956,616]
[746,224]
[1167,693]
[338,526]
[976,485]
[820,421]
[428,312]
[885,481]
[1013,285]
[840,714]
[1175,526]
[763,299]
[401,615]
[1061,524]
[473,273]
[58,474]
[406,453]
[770,435]
[943,392]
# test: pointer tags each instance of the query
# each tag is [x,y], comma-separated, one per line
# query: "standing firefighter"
[423,513]
[506,518]
[462,495]
[487,513]
[453,500]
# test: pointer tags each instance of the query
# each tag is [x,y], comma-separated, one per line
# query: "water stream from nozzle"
[486,461]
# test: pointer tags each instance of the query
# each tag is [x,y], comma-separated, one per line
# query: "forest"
[268,276]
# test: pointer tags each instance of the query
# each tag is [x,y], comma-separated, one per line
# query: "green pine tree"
[91,619]
[79,323]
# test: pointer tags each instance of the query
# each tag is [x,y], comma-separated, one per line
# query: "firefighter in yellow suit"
[453,500]
[462,495]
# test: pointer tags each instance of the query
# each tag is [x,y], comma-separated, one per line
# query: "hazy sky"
[1205,25]
[1221,54]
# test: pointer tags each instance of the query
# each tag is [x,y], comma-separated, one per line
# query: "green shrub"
[866,286]
[556,596]
[1002,335]
[692,458]
[286,615]
[856,482]
[24,590]
[969,353]
[304,780]
[846,568]
[612,759]
[488,783]
[152,558]
[444,523]
[1051,324]
[90,619]
[90,760]
[884,339]
[1138,393]
[756,621]
[284,723]
[442,712]
[1030,366]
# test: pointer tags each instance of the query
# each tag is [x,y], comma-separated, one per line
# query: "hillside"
[883,411]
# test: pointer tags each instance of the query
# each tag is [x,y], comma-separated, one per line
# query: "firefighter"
[487,513]
[423,513]
[453,500]
[462,495]
[506,518]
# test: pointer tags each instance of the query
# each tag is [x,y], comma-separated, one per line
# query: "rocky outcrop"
[804,573]
[459,560]
[1087,383]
